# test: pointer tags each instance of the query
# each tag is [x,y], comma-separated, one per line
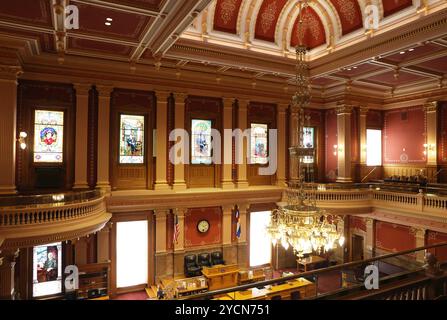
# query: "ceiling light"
[402,52]
[412,49]
[108,24]
[109,19]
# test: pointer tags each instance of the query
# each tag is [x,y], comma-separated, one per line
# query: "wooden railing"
[51,213]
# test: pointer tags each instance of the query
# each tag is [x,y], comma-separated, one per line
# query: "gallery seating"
[217,258]
[204,260]
[192,269]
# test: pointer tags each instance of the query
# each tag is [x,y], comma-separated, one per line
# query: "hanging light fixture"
[301,224]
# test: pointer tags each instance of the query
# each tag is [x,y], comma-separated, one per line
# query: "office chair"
[204,260]
[216,258]
[191,267]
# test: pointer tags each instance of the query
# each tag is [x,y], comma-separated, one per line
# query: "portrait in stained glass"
[47,269]
[258,141]
[131,139]
[48,136]
[201,141]
[308,142]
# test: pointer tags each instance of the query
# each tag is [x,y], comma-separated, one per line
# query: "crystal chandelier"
[301,224]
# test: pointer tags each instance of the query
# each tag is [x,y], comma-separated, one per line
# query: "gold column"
[82,91]
[227,179]
[281,144]
[419,234]
[432,127]
[160,227]
[344,114]
[362,129]
[179,169]
[103,243]
[294,141]
[103,136]
[7,267]
[8,127]
[242,181]
[370,236]
[161,182]
[226,224]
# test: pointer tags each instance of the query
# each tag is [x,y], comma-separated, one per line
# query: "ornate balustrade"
[58,219]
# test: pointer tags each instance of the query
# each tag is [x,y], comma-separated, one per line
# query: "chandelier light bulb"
[23,146]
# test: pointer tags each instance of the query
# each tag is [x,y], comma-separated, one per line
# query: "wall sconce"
[21,140]
[335,149]
[429,147]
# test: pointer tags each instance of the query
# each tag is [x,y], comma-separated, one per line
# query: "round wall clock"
[203,226]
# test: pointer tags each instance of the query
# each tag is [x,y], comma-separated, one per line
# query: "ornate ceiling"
[227,42]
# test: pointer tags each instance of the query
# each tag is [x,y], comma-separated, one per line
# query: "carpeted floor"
[141,295]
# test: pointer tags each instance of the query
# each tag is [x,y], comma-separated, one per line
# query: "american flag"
[238,224]
[176,229]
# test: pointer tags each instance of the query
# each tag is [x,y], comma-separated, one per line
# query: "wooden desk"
[258,275]
[305,287]
[221,277]
[309,263]
[250,294]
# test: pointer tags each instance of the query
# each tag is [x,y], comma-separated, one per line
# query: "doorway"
[357,248]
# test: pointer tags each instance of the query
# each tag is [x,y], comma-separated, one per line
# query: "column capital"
[181,212]
[430,107]
[363,111]
[82,89]
[104,91]
[344,109]
[180,97]
[243,103]
[10,72]
[162,96]
[228,208]
[369,222]
[228,102]
[282,107]
[9,256]
[418,232]
[243,207]
[294,109]
[161,213]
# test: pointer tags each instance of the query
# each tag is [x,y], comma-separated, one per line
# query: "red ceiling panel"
[389,79]
[357,70]
[393,6]
[124,25]
[142,4]
[349,13]
[108,48]
[36,12]
[313,34]
[226,15]
[323,81]
[268,18]
[45,40]
[416,53]
[439,65]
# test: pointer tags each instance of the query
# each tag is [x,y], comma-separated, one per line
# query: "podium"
[221,276]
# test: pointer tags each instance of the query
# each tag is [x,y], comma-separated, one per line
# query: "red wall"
[394,237]
[331,140]
[404,139]
[442,138]
[434,238]
[374,119]
[193,237]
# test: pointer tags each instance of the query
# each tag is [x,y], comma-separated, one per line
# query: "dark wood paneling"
[34,95]
[92,153]
[132,102]
[205,108]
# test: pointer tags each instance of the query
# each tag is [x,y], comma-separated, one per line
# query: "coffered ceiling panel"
[437,65]
[226,15]
[123,25]
[349,13]
[84,46]
[267,18]
[311,33]
[32,12]
[390,78]
[392,6]
[414,53]
[142,4]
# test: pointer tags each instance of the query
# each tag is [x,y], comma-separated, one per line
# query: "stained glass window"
[47,269]
[201,142]
[309,142]
[131,139]
[258,141]
[48,136]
